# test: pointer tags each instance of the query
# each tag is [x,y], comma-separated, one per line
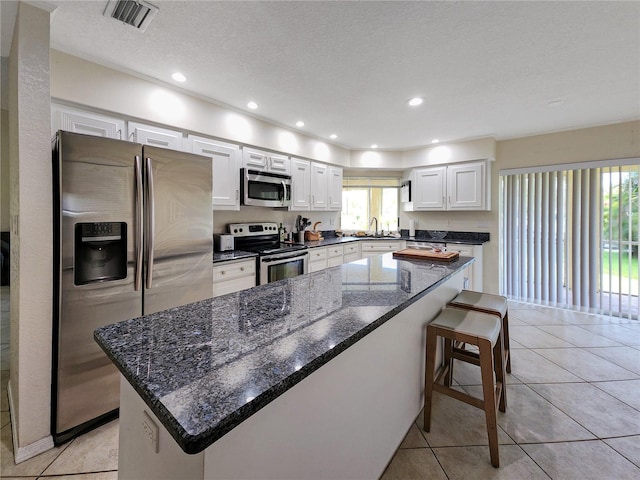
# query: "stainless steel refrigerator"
[133,230]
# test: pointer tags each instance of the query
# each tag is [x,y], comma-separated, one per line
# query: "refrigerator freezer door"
[179,259]
[95,185]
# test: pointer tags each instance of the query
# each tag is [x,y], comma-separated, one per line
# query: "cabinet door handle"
[242,269]
[221,272]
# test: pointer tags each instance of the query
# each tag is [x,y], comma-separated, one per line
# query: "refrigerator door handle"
[139,226]
[151,223]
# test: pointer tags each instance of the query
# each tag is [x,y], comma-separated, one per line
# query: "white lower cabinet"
[335,255]
[473,273]
[351,252]
[233,276]
[317,259]
[377,247]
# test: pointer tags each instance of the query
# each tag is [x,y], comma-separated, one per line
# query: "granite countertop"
[461,238]
[232,255]
[205,367]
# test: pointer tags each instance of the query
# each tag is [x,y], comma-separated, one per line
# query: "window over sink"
[366,197]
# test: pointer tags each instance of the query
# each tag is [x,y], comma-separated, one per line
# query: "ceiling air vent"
[136,13]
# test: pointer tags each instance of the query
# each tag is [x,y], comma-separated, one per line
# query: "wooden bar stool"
[487,303]
[474,328]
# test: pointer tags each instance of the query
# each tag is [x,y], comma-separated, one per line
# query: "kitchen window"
[366,197]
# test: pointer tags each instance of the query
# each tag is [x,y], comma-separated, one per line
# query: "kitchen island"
[318,376]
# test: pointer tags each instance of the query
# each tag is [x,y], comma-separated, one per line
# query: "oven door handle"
[286,257]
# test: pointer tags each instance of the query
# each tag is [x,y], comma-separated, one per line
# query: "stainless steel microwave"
[265,189]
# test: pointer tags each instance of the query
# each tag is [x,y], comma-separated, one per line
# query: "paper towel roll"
[412,228]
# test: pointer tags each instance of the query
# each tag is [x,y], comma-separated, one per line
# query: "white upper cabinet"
[466,187]
[319,186]
[226,160]
[265,161]
[155,136]
[335,188]
[300,184]
[315,186]
[429,188]
[89,123]
[279,163]
[461,186]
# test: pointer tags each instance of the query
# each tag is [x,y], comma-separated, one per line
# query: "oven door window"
[289,269]
[266,191]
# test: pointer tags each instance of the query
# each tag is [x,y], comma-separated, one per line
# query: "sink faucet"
[371,223]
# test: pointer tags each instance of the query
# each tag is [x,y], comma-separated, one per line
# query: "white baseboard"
[20,454]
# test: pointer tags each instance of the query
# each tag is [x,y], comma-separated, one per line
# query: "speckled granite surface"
[232,255]
[462,238]
[205,367]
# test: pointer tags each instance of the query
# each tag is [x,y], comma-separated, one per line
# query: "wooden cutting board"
[413,253]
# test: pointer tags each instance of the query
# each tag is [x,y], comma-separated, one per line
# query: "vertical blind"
[552,240]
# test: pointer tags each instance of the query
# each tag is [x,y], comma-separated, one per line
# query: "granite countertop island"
[206,367]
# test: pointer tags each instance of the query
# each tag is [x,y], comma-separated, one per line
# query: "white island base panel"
[344,421]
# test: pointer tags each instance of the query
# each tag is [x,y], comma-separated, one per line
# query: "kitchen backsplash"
[467,236]
[330,220]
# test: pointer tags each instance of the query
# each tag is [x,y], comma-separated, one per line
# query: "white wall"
[31,232]
[443,154]
[4,170]
[438,154]
[621,140]
[330,220]
[78,81]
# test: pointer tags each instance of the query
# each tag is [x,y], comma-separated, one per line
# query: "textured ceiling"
[502,69]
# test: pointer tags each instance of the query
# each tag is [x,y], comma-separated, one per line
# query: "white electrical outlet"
[151,431]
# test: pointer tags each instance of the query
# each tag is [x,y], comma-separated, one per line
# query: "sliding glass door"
[569,237]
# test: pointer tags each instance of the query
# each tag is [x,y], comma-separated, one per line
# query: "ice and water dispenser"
[100,252]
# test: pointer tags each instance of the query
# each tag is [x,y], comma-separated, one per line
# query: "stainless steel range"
[276,261]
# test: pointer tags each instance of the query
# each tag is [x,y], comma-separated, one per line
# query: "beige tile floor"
[573,413]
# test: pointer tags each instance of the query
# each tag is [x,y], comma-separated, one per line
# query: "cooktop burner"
[260,238]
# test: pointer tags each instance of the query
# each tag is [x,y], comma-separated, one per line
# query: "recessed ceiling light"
[252,105]
[375,145]
[435,140]
[299,123]
[415,101]
[333,136]
[178,77]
